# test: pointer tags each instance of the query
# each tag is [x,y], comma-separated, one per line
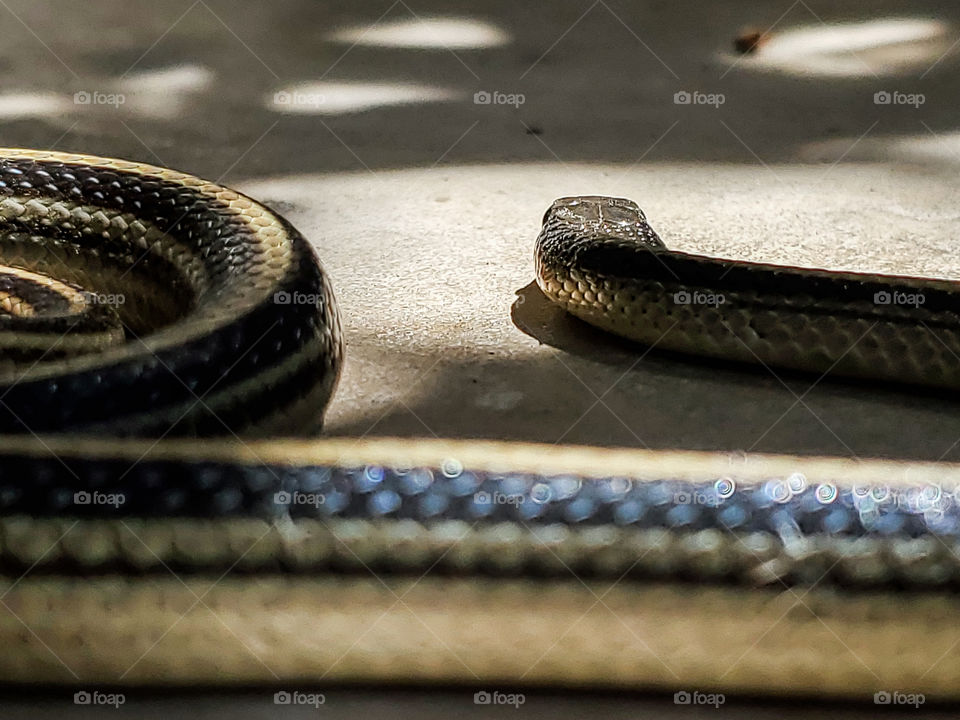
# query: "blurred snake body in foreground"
[152,560]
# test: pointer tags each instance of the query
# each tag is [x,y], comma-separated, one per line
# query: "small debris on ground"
[749,41]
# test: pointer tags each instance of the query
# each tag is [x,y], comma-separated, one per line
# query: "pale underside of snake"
[137,301]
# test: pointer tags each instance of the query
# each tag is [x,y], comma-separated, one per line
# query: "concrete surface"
[424,205]
[447,336]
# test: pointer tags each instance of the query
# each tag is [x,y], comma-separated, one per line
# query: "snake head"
[593,220]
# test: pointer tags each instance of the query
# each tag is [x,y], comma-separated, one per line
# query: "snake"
[169,517]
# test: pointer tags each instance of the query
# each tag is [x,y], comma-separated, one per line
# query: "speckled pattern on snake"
[144,311]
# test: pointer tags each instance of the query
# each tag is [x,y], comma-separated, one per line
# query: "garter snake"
[150,559]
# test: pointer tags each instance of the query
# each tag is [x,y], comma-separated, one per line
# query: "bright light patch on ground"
[888,46]
[338,98]
[180,78]
[425,33]
[25,105]
[942,148]
[163,92]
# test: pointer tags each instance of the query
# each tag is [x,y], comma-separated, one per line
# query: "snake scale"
[144,312]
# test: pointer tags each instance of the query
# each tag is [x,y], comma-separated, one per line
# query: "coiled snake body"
[143,302]
[194,274]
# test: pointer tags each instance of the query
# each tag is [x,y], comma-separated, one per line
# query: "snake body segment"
[452,506]
[201,341]
[600,259]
